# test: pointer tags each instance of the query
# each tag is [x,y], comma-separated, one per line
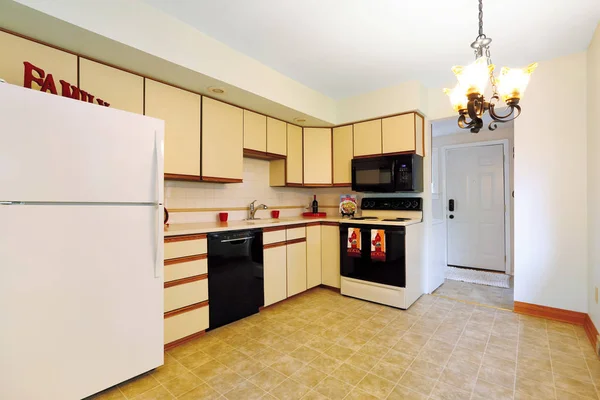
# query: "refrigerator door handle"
[158,256]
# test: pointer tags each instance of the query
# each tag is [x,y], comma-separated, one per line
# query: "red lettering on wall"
[69,90]
[102,103]
[49,85]
[28,77]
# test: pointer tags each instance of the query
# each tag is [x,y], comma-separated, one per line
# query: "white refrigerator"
[81,246]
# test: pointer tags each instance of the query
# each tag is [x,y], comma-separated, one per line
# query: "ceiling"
[343,48]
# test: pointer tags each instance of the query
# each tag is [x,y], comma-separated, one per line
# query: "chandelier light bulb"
[474,77]
[458,97]
[512,82]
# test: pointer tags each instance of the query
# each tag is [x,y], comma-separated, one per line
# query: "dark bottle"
[315,205]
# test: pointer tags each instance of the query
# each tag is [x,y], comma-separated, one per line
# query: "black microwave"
[385,174]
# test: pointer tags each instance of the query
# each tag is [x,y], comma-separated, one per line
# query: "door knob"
[451,216]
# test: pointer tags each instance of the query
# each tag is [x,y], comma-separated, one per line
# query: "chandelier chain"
[481,19]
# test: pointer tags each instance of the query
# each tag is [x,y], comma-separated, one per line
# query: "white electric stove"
[382,252]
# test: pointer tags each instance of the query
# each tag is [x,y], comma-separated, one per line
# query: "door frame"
[507,209]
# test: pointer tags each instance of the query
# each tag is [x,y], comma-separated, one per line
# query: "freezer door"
[81,307]
[56,149]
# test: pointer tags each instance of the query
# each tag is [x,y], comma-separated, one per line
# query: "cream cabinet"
[180,326]
[342,155]
[222,141]
[367,138]
[277,170]
[275,273]
[255,131]
[276,137]
[294,155]
[330,255]
[313,255]
[398,133]
[317,157]
[296,268]
[16,50]
[122,90]
[180,110]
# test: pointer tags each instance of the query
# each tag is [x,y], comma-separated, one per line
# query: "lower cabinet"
[184,324]
[313,255]
[296,267]
[275,273]
[330,255]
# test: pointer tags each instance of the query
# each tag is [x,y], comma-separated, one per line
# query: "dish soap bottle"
[315,205]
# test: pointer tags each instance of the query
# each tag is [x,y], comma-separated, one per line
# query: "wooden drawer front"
[296,233]
[185,248]
[183,295]
[185,269]
[274,237]
[185,324]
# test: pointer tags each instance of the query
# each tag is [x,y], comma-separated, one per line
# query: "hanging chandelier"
[467,97]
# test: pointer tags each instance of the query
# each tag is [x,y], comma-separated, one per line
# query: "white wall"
[593,148]
[551,249]
[215,197]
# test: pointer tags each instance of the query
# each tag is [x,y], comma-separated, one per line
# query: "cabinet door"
[255,131]
[276,137]
[330,255]
[16,50]
[342,155]
[222,141]
[275,274]
[398,133]
[294,155]
[317,156]
[181,112]
[420,135]
[296,268]
[122,90]
[313,256]
[367,138]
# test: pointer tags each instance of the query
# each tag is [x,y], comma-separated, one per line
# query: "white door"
[475,207]
[81,307]
[56,149]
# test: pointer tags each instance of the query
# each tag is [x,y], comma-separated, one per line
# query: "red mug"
[223,217]
[275,214]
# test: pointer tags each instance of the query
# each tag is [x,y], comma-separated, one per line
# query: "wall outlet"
[596,295]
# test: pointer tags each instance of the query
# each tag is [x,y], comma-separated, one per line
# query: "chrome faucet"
[253,209]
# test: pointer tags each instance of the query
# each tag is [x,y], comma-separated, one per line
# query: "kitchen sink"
[261,221]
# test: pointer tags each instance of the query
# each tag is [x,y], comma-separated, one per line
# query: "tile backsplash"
[229,197]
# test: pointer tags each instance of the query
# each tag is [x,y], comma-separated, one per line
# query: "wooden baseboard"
[590,330]
[556,314]
[183,340]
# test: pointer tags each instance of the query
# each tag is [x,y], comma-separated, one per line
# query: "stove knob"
[415,204]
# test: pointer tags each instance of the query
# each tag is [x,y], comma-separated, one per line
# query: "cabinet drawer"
[183,295]
[296,233]
[273,236]
[186,324]
[185,269]
[183,247]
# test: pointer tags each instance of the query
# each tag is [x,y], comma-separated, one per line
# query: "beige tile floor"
[481,294]
[321,345]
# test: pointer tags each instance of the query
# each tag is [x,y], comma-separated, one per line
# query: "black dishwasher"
[235,275]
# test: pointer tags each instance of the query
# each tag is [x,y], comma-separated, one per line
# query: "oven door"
[391,272]
[373,175]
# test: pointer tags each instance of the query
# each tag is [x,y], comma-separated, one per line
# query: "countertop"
[208,227]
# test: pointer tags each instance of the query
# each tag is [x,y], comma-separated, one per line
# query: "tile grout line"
[481,362]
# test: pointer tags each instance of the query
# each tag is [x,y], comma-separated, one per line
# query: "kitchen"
[257,299]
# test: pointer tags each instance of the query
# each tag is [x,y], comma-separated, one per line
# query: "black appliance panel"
[392,271]
[235,275]
[398,173]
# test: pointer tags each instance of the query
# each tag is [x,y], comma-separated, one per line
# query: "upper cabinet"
[367,138]
[317,157]
[122,90]
[342,156]
[255,131]
[403,133]
[180,110]
[222,141]
[294,166]
[276,137]
[16,51]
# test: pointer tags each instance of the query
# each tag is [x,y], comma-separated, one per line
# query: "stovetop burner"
[396,219]
[363,218]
